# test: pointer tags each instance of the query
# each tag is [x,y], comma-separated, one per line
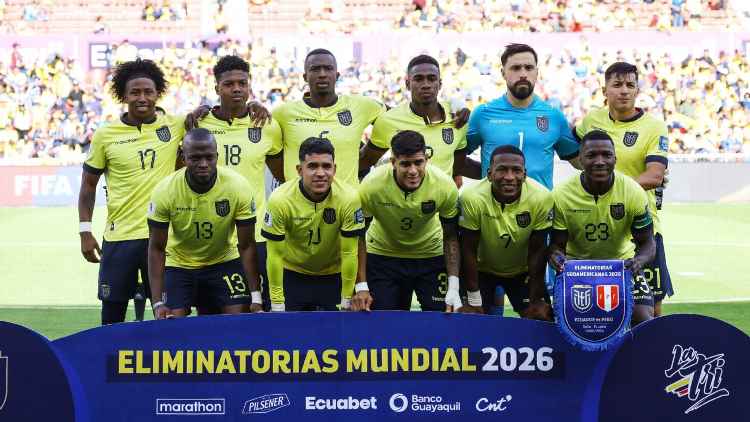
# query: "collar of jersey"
[580,178]
[306,100]
[506,102]
[159,112]
[639,113]
[426,120]
[227,121]
[302,191]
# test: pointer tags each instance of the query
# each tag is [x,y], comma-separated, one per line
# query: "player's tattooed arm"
[86,200]
[450,248]
[157,244]
[538,308]
[556,251]
[645,249]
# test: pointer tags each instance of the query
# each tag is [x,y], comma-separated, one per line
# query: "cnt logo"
[265,404]
[699,377]
[399,403]
[3,380]
[500,405]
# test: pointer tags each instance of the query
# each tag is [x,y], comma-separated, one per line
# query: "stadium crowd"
[556,15]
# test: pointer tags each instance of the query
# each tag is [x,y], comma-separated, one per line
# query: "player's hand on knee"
[539,310]
[258,114]
[161,311]
[557,261]
[452,297]
[257,302]
[90,247]
[361,301]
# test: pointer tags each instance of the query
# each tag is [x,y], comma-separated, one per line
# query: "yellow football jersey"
[407,224]
[134,160]
[442,137]
[342,123]
[243,148]
[201,226]
[505,229]
[600,227]
[312,231]
[638,141]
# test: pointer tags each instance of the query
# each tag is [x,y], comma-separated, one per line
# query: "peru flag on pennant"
[608,297]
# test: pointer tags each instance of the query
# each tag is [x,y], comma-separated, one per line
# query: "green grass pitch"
[47,286]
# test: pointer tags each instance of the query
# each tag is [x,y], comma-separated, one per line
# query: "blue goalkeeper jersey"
[538,130]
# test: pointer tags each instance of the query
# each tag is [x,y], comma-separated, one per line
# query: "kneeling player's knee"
[113,312]
[641,313]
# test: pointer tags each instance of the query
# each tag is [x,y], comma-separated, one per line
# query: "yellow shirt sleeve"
[470,215]
[461,138]
[159,207]
[638,208]
[558,220]
[97,158]
[658,143]
[449,208]
[273,131]
[245,202]
[274,220]
[353,222]
[544,213]
[382,132]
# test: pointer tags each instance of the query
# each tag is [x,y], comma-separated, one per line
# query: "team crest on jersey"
[329,215]
[164,134]
[617,211]
[428,207]
[523,219]
[345,117]
[542,123]
[104,290]
[222,207]
[254,134]
[448,135]
[629,138]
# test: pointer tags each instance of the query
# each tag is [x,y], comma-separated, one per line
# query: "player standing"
[641,144]
[322,113]
[433,119]
[505,221]
[522,119]
[192,219]
[313,224]
[242,145]
[596,215]
[134,153]
[412,241]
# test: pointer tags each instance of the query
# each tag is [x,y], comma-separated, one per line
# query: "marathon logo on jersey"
[428,207]
[581,297]
[345,117]
[329,215]
[254,134]
[222,207]
[607,297]
[164,134]
[629,138]
[3,380]
[542,123]
[448,135]
[523,219]
[617,211]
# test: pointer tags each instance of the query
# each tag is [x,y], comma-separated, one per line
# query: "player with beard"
[522,119]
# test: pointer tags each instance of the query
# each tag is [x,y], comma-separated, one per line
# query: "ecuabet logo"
[3,380]
[699,376]
[348,403]
[265,404]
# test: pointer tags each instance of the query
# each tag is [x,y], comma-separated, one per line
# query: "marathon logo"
[265,404]
[190,407]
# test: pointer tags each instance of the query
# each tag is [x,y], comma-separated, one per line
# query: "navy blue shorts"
[657,273]
[213,287]
[262,254]
[305,292]
[516,287]
[642,293]
[123,263]
[393,281]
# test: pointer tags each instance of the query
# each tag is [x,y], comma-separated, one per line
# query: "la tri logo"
[699,377]
[3,380]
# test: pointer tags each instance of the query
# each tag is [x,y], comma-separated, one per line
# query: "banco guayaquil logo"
[698,377]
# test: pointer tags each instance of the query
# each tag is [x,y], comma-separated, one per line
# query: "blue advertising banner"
[382,366]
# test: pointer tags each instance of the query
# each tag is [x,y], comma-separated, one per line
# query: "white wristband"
[256,297]
[157,304]
[361,287]
[475,298]
[277,307]
[84,226]
[345,304]
[453,282]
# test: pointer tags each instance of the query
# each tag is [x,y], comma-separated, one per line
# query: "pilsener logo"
[265,404]
[190,406]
